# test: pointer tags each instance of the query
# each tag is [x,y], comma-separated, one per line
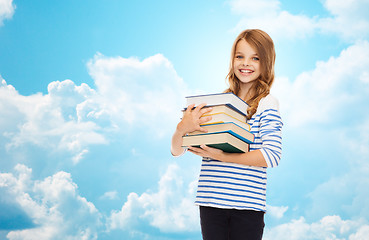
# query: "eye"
[238,56]
[255,59]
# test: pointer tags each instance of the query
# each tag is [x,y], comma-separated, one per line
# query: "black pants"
[231,224]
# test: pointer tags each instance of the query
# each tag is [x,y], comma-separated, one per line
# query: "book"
[224,113]
[228,127]
[223,108]
[227,110]
[221,117]
[224,141]
[228,99]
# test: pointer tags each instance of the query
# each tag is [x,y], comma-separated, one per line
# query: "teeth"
[245,71]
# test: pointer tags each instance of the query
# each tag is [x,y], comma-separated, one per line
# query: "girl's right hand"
[192,119]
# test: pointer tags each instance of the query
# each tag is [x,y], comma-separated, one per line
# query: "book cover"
[224,141]
[229,127]
[229,99]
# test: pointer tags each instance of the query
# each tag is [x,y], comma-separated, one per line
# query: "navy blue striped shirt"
[231,185]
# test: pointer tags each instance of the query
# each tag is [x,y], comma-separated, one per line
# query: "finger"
[203,146]
[207,149]
[210,149]
[200,106]
[205,119]
[195,150]
[202,129]
[190,107]
[206,110]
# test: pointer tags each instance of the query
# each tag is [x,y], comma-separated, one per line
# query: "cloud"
[131,96]
[53,204]
[48,121]
[52,208]
[170,209]
[329,227]
[348,20]
[145,94]
[244,7]
[277,212]
[134,99]
[331,101]
[349,190]
[7,9]
[112,195]
[268,15]
[332,92]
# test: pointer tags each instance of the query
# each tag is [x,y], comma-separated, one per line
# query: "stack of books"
[227,130]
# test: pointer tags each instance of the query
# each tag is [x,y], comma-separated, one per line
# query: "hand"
[205,151]
[192,118]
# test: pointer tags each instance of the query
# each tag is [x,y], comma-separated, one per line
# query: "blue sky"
[91,91]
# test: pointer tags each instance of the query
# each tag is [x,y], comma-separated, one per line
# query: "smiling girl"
[231,191]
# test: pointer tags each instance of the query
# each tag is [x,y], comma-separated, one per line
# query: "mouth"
[246,71]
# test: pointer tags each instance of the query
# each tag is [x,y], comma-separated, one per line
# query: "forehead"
[243,46]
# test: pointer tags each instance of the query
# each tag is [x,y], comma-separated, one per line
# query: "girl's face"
[246,62]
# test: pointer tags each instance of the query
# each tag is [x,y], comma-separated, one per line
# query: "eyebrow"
[255,54]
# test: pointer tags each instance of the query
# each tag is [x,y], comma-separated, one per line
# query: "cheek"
[234,66]
[259,68]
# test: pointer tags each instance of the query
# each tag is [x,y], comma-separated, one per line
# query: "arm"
[190,122]
[252,158]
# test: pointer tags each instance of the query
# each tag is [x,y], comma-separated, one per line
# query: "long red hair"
[264,46]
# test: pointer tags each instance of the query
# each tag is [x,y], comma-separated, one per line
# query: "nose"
[245,62]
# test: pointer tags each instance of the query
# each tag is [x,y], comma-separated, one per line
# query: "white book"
[228,99]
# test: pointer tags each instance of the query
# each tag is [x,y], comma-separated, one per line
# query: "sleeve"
[271,133]
[184,151]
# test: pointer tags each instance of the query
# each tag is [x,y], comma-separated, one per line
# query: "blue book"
[227,127]
[224,141]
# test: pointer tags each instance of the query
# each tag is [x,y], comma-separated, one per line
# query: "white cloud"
[171,208]
[277,211]
[131,95]
[53,204]
[48,121]
[334,94]
[253,9]
[333,90]
[267,15]
[361,234]
[349,190]
[331,100]
[6,10]
[110,195]
[147,94]
[349,19]
[329,227]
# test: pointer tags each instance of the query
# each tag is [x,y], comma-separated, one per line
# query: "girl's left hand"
[205,151]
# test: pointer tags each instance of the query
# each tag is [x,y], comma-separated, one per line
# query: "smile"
[246,71]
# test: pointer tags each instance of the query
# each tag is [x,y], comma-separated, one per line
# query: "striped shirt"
[237,186]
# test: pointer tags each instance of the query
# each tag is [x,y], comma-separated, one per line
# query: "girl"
[231,191]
